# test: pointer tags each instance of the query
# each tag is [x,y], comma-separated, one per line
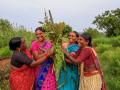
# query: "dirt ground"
[4,63]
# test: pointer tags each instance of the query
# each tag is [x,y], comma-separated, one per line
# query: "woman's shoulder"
[89,50]
[47,44]
[34,43]
[15,55]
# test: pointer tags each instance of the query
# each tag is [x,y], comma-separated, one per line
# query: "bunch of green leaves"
[55,34]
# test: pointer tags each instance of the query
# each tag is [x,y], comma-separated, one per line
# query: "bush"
[110,61]
[101,40]
[4,82]
[4,52]
[103,47]
[116,41]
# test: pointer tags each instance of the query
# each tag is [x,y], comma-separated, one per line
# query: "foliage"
[102,40]
[109,21]
[116,41]
[5,25]
[4,82]
[110,60]
[55,34]
[7,32]
[101,48]
[94,32]
[109,54]
[66,30]
[5,52]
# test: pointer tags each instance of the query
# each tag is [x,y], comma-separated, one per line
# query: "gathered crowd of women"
[32,69]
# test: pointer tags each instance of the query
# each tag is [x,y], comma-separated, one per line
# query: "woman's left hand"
[50,51]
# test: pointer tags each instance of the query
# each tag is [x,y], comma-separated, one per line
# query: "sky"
[79,14]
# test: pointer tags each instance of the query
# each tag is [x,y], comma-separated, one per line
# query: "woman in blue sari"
[69,77]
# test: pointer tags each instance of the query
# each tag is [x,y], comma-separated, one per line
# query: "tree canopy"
[109,21]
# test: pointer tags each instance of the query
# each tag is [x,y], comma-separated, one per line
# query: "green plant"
[110,60]
[4,82]
[55,34]
[4,52]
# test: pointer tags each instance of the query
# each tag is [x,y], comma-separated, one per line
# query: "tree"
[5,25]
[6,32]
[67,30]
[109,21]
[94,32]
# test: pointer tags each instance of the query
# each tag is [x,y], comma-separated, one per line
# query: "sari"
[45,76]
[69,76]
[93,79]
[22,78]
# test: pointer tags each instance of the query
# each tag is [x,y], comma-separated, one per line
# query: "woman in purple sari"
[45,76]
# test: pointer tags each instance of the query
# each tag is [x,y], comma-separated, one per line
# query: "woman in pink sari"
[45,76]
[22,74]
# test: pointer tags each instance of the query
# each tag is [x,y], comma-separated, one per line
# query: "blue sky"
[79,14]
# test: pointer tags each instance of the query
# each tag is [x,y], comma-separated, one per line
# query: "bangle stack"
[46,54]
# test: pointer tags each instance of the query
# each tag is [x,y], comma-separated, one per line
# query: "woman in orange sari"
[22,72]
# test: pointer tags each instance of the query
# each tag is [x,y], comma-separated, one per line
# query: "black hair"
[87,37]
[14,43]
[39,28]
[77,35]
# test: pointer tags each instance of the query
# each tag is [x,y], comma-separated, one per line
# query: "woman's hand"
[42,49]
[50,51]
[68,61]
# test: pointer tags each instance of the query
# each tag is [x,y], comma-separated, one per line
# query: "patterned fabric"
[72,48]
[19,59]
[86,57]
[69,77]
[35,45]
[45,76]
[22,78]
[91,83]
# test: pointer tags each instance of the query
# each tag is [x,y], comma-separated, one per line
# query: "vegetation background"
[106,41]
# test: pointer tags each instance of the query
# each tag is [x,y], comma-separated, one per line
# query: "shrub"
[116,41]
[4,52]
[101,40]
[110,61]
[4,75]
[103,47]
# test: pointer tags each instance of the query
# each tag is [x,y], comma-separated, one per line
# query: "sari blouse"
[86,57]
[19,59]
[35,45]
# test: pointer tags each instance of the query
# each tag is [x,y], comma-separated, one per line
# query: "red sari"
[22,78]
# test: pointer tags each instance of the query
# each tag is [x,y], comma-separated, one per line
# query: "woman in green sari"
[69,77]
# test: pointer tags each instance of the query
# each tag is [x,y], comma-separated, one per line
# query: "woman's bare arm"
[43,58]
[70,57]
[39,61]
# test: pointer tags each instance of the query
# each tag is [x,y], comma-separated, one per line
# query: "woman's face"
[23,44]
[72,37]
[82,42]
[40,35]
